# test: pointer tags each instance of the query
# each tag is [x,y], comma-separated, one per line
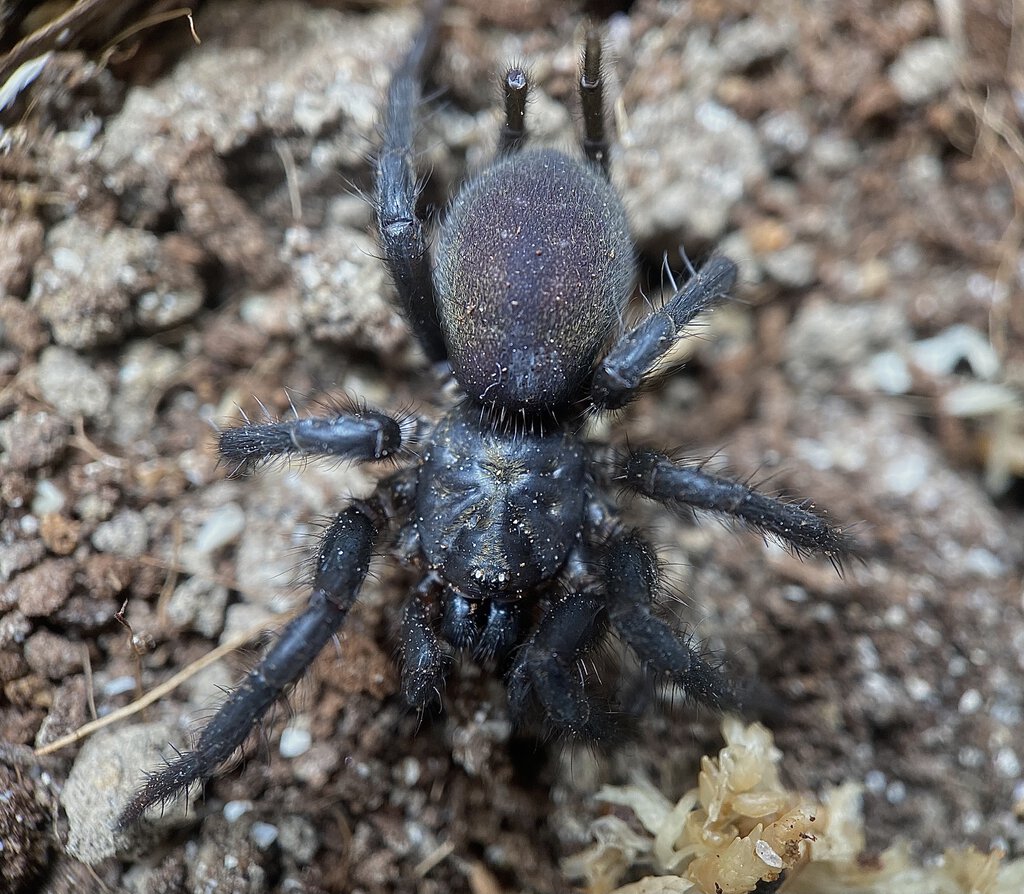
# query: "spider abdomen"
[534,267]
[498,515]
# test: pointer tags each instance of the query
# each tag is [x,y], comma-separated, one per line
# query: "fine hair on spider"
[506,512]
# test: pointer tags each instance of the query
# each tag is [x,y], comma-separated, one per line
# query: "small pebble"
[688,186]
[1007,763]
[904,474]
[198,603]
[755,40]
[30,440]
[786,137]
[18,556]
[234,810]
[918,689]
[222,527]
[874,781]
[164,306]
[39,592]
[126,534]
[971,822]
[923,70]
[48,498]
[60,534]
[299,838]
[896,792]
[263,834]
[970,702]
[794,267]
[105,775]
[295,741]
[834,154]
[71,385]
[52,656]
[886,372]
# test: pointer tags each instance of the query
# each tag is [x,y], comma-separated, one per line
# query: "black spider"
[507,513]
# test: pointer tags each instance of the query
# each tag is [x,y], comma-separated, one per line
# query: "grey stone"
[925,69]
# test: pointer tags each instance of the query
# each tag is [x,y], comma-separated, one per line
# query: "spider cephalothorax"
[507,512]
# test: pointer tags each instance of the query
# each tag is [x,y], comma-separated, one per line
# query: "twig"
[236,642]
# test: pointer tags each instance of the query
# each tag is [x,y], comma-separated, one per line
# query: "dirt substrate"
[184,228]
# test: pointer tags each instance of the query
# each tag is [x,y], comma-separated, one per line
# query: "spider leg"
[402,233]
[631,579]
[425,662]
[547,668]
[342,562]
[619,377]
[516,87]
[681,487]
[359,434]
[595,137]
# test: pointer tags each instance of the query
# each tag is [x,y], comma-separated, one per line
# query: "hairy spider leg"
[547,667]
[425,662]
[402,233]
[360,434]
[631,580]
[516,87]
[681,486]
[341,565]
[619,377]
[595,135]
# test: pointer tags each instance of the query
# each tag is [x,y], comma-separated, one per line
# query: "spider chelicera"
[507,513]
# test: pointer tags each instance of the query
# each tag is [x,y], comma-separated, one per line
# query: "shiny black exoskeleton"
[508,513]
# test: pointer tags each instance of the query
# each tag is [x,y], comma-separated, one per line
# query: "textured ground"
[181,228]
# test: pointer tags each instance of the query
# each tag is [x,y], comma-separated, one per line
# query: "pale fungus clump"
[740,826]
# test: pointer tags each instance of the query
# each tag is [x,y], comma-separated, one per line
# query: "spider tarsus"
[341,565]
[547,666]
[682,487]
[360,435]
[595,135]
[425,660]
[632,580]
[516,89]
[621,374]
